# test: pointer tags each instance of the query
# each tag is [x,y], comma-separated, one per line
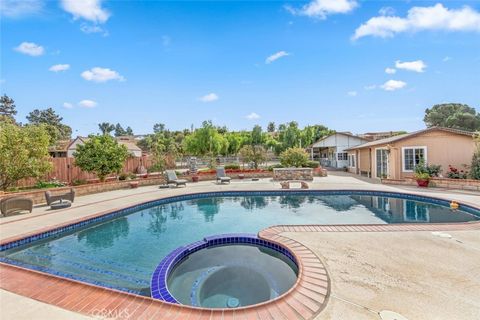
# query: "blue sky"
[351,65]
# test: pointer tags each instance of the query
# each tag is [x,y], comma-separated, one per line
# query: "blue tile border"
[55,232]
[158,286]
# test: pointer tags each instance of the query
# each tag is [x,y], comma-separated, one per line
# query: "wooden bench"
[286,184]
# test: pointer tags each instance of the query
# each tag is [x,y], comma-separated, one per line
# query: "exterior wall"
[73,147]
[442,148]
[340,142]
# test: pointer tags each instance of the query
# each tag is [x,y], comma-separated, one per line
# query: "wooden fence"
[64,170]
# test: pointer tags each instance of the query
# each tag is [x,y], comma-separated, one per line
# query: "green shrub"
[123,176]
[475,168]
[312,164]
[78,182]
[232,166]
[294,157]
[270,168]
[49,184]
[434,170]
[132,176]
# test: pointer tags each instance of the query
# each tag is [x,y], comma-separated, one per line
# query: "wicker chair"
[15,204]
[50,197]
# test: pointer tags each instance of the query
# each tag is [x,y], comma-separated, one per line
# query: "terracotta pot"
[194,178]
[423,183]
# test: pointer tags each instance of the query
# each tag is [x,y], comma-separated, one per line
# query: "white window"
[412,157]
[342,156]
[351,161]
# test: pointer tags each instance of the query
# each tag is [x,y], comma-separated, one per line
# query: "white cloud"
[86,9]
[252,116]
[436,17]
[447,58]
[392,85]
[87,28]
[59,67]
[98,74]
[320,9]
[417,65]
[352,93]
[88,104]
[30,48]
[276,56]
[209,97]
[390,70]
[370,87]
[18,8]
[67,105]
[386,11]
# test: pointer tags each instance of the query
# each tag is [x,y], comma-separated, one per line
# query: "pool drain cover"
[390,315]
[233,302]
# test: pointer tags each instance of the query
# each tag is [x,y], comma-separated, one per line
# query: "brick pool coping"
[304,300]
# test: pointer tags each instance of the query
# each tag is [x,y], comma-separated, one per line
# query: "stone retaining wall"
[280,174]
[462,184]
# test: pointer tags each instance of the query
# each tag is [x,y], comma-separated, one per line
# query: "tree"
[254,154]
[102,155]
[453,115]
[475,167]
[257,136]
[119,131]
[129,131]
[23,153]
[271,127]
[294,157]
[205,141]
[56,129]
[106,127]
[158,127]
[7,108]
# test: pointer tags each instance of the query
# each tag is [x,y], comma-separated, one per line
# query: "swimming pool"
[122,249]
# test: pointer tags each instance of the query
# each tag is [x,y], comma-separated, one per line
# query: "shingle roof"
[409,135]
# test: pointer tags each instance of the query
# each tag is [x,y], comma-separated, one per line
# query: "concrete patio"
[416,273]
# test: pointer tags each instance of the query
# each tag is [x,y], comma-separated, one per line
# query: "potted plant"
[422,174]
[423,179]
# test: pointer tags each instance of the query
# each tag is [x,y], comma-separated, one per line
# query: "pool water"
[231,276]
[122,253]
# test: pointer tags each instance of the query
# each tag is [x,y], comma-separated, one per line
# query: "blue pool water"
[122,253]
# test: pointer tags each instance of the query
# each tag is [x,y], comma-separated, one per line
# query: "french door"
[381,163]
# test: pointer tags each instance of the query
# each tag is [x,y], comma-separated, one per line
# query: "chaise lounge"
[15,204]
[173,179]
[222,176]
[50,197]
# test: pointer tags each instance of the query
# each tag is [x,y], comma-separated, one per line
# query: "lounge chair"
[15,204]
[222,176]
[172,179]
[50,197]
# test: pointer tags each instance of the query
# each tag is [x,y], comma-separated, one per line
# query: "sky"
[352,65]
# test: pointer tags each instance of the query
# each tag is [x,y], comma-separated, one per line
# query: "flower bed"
[233,171]
[462,184]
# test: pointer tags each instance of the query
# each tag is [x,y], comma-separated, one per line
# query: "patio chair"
[222,176]
[15,204]
[172,179]
[50,197]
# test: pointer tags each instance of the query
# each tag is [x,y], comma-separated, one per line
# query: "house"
[397,156]
[132,148]
[380,135]
[59,150]
[330,150]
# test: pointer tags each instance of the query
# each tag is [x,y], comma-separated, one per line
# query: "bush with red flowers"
[455,173]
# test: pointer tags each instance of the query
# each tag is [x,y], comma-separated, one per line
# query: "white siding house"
[330,150]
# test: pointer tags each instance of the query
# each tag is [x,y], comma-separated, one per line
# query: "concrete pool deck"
[363,267]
